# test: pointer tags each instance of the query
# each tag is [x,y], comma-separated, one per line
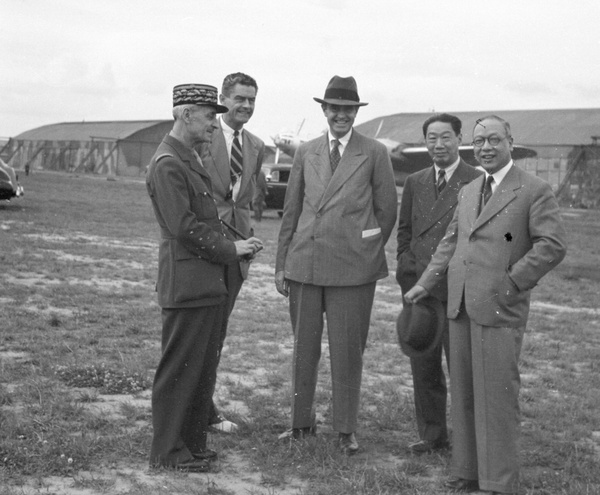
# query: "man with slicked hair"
[429,200]
[233,160]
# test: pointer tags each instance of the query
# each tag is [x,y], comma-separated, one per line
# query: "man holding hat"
[505,235]
[191,286]
[429,199]
[339,211]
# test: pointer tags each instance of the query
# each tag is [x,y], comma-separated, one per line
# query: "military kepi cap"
[197,94]
[341,91]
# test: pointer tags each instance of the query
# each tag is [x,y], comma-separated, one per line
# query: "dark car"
[7,191]
[277,175]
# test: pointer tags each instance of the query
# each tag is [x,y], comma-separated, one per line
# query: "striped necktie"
[334,157]
[235,168]
[441,182]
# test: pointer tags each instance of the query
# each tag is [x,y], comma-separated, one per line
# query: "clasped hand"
[248,248]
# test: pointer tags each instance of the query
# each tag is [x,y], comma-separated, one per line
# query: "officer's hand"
[415,294]
[283,286]
[248,248]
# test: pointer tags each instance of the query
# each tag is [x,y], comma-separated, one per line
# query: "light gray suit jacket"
[216,162]
[495,259]
[335,226]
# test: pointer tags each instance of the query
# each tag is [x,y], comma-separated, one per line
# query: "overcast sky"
[74,60]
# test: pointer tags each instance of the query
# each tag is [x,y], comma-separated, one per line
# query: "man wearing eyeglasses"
[429,199]
[506,234]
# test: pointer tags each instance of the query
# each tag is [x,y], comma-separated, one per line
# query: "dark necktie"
[334,158]
[441,182]
[235,168]
[487,191]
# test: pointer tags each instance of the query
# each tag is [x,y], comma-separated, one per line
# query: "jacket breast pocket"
[203,205]
[196,278]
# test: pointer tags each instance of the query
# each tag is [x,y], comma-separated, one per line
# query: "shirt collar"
[500,174]
[227,130]
[343,140]
[448,170]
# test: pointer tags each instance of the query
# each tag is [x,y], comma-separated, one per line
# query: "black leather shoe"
[206,455]
[427,446]
[193,466]
[348,443]
[462,485]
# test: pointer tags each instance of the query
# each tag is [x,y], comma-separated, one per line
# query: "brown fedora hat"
[420,326]
[341,91]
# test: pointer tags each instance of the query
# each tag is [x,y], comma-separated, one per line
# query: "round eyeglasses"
[493,140]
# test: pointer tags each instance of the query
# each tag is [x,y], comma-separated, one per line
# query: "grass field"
[80,339]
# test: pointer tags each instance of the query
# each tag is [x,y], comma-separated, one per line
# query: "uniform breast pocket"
[203,206]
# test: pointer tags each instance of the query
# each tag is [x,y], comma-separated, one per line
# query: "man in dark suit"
[506,234]
[428,202]
[191,289]
[233,159]
[339,211]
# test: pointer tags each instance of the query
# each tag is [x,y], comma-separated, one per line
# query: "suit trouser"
[348,312]
[184,382]
[233,281]
[430,391]
[484,383]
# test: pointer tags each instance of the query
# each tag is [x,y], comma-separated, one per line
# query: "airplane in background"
[406,159]
[288,142]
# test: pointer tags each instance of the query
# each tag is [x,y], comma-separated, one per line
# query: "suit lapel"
[250,154]
[446,200]
[504,194]
[318,165]
[218,152]
[351,160]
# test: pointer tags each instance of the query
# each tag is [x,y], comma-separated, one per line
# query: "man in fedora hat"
[339,211]
[233,159]
[191,288]
[428,202]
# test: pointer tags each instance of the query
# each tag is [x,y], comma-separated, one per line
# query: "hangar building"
[112,148]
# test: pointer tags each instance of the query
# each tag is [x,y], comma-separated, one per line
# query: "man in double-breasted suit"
[191,287]
[339,211]
[506,234]
[233,159]
[428,202]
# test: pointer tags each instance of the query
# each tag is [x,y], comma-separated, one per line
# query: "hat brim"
[404,319]
[219,108]
[333,101]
